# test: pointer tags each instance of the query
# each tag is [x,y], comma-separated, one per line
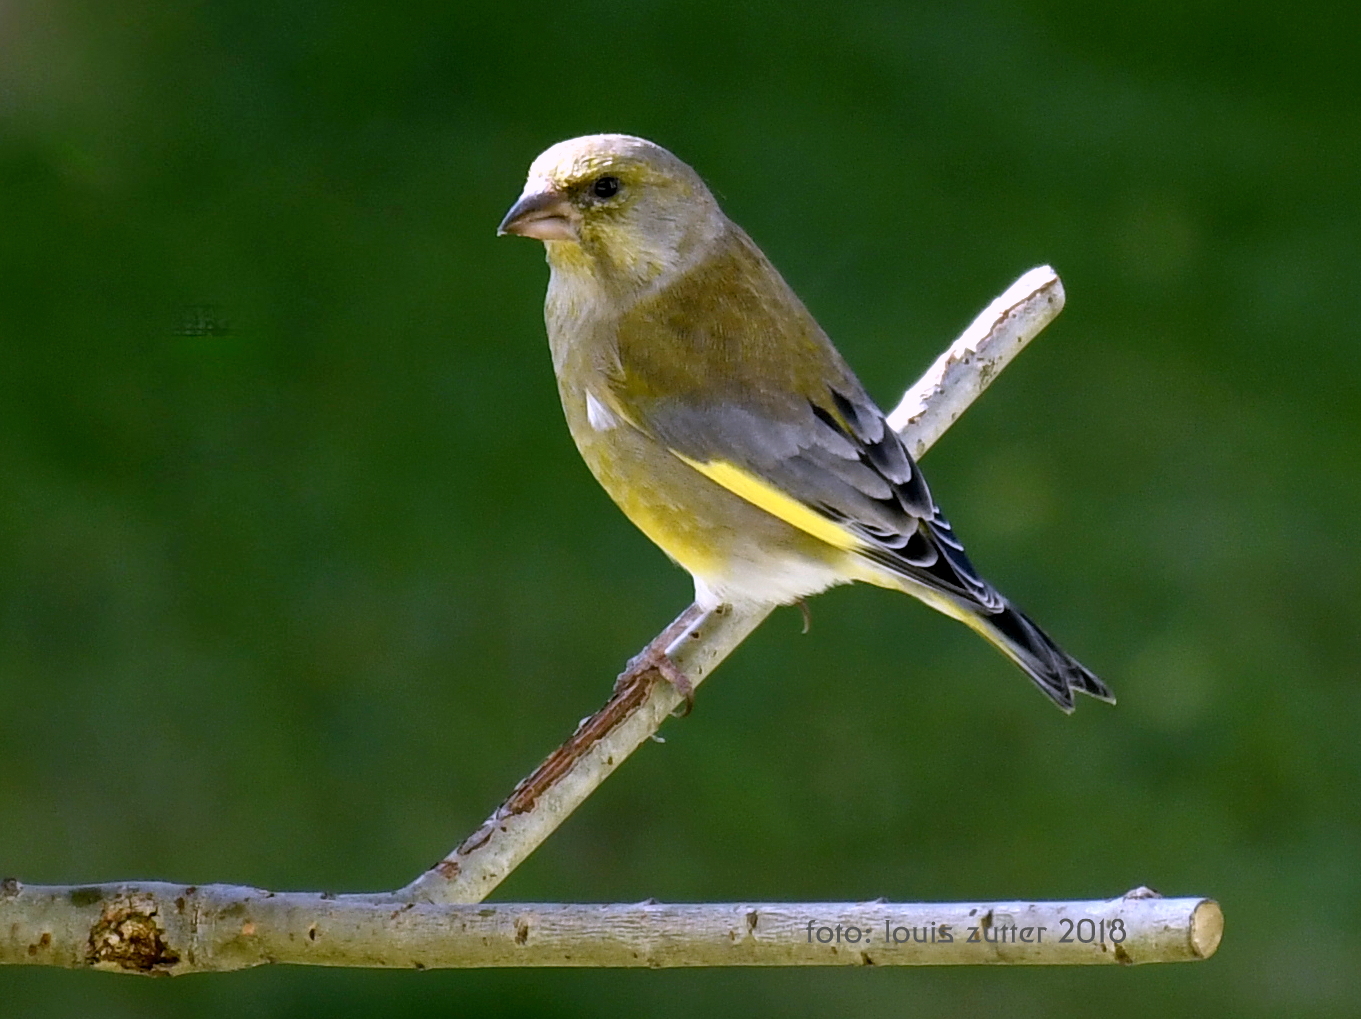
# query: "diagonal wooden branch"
[697,642]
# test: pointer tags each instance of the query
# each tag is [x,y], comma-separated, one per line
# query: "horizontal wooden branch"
[156,928]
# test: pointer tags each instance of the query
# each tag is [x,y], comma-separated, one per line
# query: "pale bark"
[157,928]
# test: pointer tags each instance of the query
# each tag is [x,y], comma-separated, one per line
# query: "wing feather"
[850,483]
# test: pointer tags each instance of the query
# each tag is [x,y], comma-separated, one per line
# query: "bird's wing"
[833,469]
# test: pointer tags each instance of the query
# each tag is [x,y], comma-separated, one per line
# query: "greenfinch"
[712,408]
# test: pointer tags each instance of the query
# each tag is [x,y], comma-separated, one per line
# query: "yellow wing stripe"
[766,496]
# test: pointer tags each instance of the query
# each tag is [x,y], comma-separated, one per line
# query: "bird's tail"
[1053,669]
[1012,632]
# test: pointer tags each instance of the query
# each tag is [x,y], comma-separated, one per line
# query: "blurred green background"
[297,605]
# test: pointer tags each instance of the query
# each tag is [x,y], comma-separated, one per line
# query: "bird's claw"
[655,659]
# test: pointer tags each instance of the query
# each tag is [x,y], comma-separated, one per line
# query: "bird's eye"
[605,187]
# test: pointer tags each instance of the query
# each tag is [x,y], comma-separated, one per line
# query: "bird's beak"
[545,215]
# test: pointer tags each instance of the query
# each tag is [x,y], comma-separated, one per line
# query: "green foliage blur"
[300,572]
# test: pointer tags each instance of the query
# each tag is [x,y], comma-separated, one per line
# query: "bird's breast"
[736,551]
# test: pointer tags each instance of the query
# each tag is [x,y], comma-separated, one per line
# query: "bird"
[717,414]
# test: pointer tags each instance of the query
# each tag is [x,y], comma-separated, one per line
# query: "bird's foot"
[655,659]
[807,615]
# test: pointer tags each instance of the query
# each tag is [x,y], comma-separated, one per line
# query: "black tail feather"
[1054,671]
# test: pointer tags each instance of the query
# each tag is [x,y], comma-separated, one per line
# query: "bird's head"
[616,207]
